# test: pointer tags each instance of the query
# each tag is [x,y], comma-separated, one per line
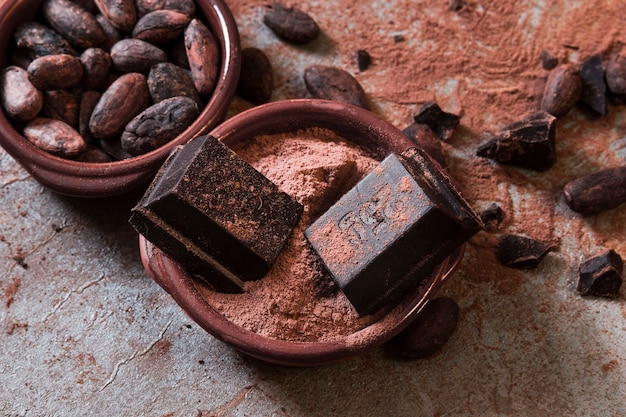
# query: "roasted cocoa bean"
[135,55]
[562,91]
[61,105]
[291,23]
[55,72]
[548,61]
[123,100]
[616,74]
[429,332]
[330,83]
[20,99]
[73,22]
[88,102]
[184,6]
[55,137]
[600,191]
[96,65]
[167,80]
[41,40]
[255,79]
[203,54]
[112,35]
[161,26]
[158,124]
[94,155]
[121,13]
[177,53]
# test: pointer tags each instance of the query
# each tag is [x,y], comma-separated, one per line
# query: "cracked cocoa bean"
[55,137]
[20,99]
[158,124]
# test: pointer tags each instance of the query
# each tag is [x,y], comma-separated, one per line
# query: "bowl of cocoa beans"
[292,312]
[96,93]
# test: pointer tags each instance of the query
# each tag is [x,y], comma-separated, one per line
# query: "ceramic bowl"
[356,125]
[82,179]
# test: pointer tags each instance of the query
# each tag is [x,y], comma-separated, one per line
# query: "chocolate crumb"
[594,85]
[363,59]
[456,5]
[521,252]
[601,276]
[492,216]
[548,60]
[442,123]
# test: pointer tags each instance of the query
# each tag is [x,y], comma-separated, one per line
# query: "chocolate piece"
[428,333]
[291,23]
[425,138]
[492,216]
[521,252]
[603,190]
[255,79]
[594,85]
[216,215]
[548,61]
[330,83]
[601,276]
[529,143]
[442,123]
[562,91]
[391,230]
[456,5]
[363,59]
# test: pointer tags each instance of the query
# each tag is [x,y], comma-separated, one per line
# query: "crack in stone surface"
[133,356]
[70,293]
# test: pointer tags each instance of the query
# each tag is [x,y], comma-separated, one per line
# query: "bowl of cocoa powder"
[314,150]
[95,97]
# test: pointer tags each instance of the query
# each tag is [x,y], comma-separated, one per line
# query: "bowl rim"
[88,179]
[275,117]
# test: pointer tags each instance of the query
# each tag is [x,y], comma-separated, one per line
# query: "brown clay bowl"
[356,125]
[82,179]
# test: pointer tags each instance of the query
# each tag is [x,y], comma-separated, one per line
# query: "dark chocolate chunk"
[521,252]
[216,215]
[391,230]
[425,138]
[529,143]
[442,123]
[428,333]
[363,59]
[548,61]
[330,83]
[291,23]
[603,190]
[492,216]
[594,85]
[601,276]
[255,79]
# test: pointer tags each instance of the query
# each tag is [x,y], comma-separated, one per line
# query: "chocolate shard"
[601,276]
[216,215]
[442,123]
[593,193]
[423,136]
[386,234]
[521,252]
[529,143]
[492,216]
[594,85]
[428,333]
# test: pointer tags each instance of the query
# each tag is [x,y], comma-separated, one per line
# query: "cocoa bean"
[135,55]
[203,54]
[41,40]
[123,100]
[187,7]
[291,23]
[73,22]
[255,79]
[562,91]
[96,65]
[20,99]
[158,124]
[55,137]
[616,74]
[167,80]
[112,35]
[600,191]
[94,155]
[88,102]
[121,13]
[55,72]
[330,83]
[61,105]
[161,26]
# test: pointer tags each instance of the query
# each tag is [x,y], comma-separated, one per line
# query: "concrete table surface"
[84,330]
